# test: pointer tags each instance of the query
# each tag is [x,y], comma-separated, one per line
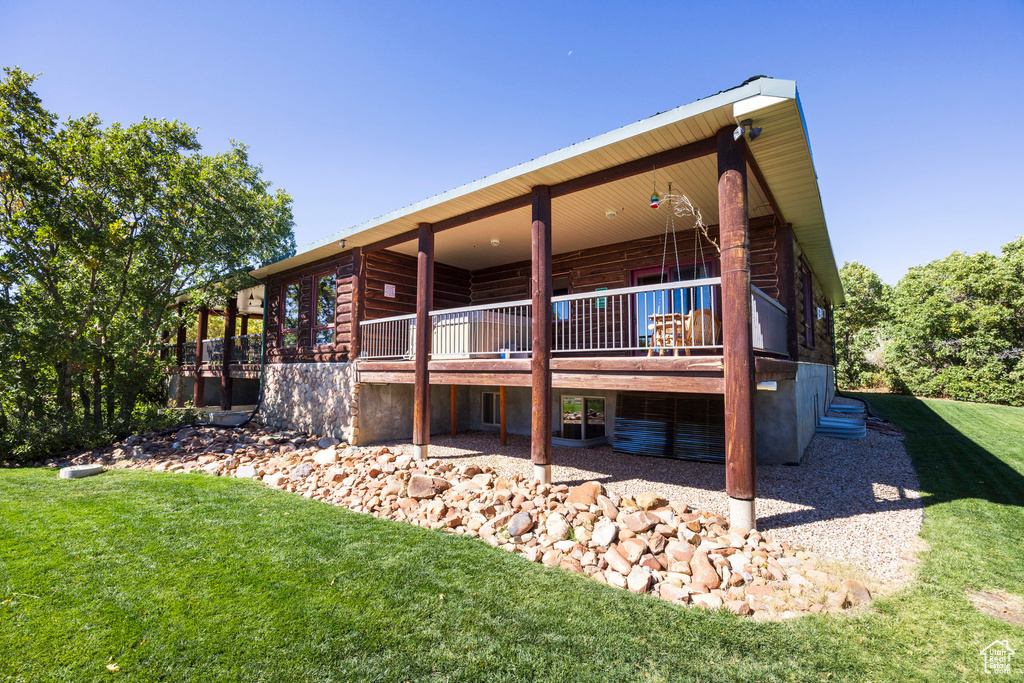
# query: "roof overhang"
[782,153]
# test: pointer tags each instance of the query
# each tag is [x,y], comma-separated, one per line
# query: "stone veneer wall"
[317,398]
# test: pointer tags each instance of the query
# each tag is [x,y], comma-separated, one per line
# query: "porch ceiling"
[782,152]
[578,220]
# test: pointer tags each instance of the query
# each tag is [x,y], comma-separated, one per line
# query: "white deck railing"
[659,319]
[767,322]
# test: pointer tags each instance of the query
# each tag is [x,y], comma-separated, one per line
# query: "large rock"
[327,456]
[632,549]
[327,442]
[275,480]
[639,580]
[639,522]
[703,571]
[672,593]
[246,472]
[646,501]
[856,592]
[302,471]
[608,507]
[422,486]
[618,562]
[557,526]
[605,533]
[520,524]
[707,600]
[79,471]
[585,494]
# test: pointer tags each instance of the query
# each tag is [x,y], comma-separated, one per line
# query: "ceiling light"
[495,242]
[746,126]
[610,214]
[341,244]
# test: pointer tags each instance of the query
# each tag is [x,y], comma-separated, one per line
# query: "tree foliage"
[956,328]
[100,227]
[858,325]
[953,328]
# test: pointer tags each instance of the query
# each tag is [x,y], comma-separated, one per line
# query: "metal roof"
[782,152]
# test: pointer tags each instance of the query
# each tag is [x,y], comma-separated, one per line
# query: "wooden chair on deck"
[699,327]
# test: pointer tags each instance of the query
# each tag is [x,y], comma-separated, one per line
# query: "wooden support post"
[199,386]
[424,301]
[179,395]
[501,410]
[540,432]
[455,415]
[358,299]
[738,352]
[787,285]
[226,381]
[244,326]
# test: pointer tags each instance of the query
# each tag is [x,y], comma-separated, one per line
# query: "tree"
[101,227]
[957,328]
[858,323]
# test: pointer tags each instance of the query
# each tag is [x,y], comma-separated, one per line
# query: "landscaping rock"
[585,494]
[327,442]
[856,592]
[422,486]
[246,472]
[639,580]
[302,471]
[703,571]
[618,562]
[327,456]
[520,524]
[605,533]
[80,471]
[646,501]
[707,600]
[639,522]
[557,527]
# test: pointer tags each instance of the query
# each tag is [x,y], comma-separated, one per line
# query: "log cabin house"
[551,299]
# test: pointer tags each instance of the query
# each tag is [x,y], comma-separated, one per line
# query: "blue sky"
[915,110]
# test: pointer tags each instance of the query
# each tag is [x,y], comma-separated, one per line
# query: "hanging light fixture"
[655,198]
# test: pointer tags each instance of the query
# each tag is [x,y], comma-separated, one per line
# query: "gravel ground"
[853,501]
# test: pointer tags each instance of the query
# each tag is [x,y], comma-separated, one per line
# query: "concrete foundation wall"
[386,411]
[244,392]
[785,419]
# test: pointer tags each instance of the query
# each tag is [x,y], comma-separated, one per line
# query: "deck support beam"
[738,352]
[503,429]
[226,381]
[540,433]
[424,300]
[199,382]
[358,298]
[455,415]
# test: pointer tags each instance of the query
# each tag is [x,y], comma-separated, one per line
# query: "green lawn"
[194,578]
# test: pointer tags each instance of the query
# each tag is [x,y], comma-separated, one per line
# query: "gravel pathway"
[853,501]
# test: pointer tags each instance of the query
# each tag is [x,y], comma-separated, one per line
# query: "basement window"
[490,406]
[583,418]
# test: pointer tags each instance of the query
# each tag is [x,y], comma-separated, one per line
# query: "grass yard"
[194,578]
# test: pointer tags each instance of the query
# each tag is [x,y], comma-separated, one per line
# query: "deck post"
[199,386]
[738,352]
[540,433]
[455,421]
[244,325]
[358,297]
[424,300]
[501,419]
[226,381]
[179,395]
[787,286]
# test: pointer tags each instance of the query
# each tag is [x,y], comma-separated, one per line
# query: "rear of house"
[666,288]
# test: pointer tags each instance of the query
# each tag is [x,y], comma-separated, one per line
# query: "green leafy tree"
[957,328]
[100,227]
[858,323]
